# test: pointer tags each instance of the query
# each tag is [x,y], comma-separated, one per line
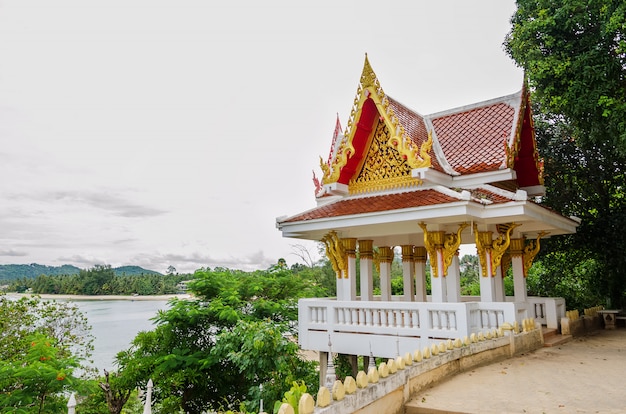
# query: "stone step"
[552,337]
[557,340]
[548,332]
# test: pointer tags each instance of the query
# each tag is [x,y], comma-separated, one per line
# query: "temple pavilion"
[418,186]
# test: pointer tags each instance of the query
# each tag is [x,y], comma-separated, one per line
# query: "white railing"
[388,329]
[547,311]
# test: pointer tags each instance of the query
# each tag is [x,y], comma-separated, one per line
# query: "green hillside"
[133,271]
[16,271]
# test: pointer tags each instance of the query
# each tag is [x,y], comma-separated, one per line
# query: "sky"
[165,133]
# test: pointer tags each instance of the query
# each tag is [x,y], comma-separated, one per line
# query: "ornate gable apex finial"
[368,77]
[369,88]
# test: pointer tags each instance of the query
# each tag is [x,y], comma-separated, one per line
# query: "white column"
[365,259]
[498,281]
[340,285]
[408,269]
[437,280]
[348,281]
[517,265]
[419,255]
[453,280]
[386,257]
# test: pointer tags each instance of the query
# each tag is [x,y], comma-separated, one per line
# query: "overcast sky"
[158,133]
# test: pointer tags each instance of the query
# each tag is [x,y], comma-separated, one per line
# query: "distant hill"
[15,271]
[133,271]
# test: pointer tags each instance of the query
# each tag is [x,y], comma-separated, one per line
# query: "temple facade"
[397,183]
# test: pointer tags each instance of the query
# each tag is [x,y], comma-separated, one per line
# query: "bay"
[115,323]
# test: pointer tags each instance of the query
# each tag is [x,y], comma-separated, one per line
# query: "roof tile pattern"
[483,193]
[364,205]
[414,126]
[473,141]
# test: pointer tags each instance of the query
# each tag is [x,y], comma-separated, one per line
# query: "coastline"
[184,296]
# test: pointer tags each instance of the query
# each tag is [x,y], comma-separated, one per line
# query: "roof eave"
[431,176]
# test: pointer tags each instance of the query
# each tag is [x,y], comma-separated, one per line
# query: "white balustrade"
[547,311]
[389,329]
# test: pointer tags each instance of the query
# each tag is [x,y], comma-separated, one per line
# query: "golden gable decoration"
[383,167]
[369,87]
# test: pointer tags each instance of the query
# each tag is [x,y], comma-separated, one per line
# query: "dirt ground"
[585,375]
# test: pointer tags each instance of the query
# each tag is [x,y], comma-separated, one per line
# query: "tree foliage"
[36,382]
[214,352]
[42,343]
[101,280]
[574,55]
[63,322]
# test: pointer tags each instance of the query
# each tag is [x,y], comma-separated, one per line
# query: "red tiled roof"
[495,198]
[473,140]
[364,205]
[414,126]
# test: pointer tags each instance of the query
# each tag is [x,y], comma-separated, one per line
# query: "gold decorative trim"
[516,248]
[501,244]
[376,260]
[483,245]
[349,246]
[530,251]
[419,254]
[366,249]
[369,87]
[450,247]
[506,262]
[383,167]
[384,184]
[433,240]
[407,252]
[336,253]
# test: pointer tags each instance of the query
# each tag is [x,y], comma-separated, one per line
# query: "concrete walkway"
[585,375]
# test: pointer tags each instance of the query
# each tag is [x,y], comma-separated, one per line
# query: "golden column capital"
[385,254]
[349,245]
[366,249]
[407,252]
[516,248]
[419,254]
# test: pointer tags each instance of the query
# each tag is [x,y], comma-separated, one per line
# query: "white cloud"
[163,132]
[12,253]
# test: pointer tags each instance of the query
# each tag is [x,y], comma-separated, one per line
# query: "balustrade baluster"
[376,317]
[384,321]
[415,319]
[354,316]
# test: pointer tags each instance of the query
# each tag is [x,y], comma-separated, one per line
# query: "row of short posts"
[336,390]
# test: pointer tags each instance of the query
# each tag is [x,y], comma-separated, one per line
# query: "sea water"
[115,323]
